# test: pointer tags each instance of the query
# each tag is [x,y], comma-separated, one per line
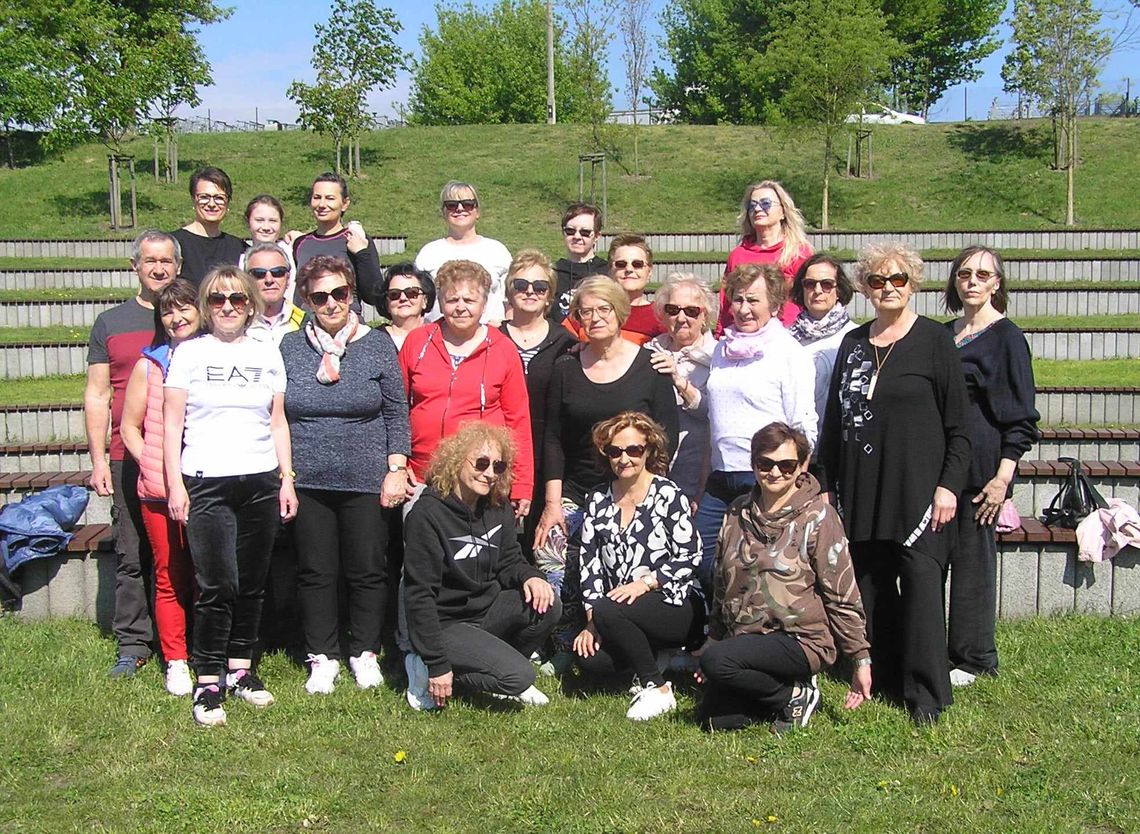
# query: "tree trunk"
[1071,153]
[338,154]
[156,175]
[826,180]
[357,158]
[8,144]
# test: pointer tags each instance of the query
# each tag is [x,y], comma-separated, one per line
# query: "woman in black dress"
[895,449]
[1002,423]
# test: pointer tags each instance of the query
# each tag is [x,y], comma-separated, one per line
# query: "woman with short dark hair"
[408,294]
[204,244]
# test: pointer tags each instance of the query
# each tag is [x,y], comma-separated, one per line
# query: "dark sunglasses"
[786,466]
[614,452]
[523,285]
[455,205]
[638,264]
[877,282]
[691,311]
[410,293]
[259,272]
[827,284]
[765,205]
[341,294]
[217,300]
[482,464]
[570,231]
[983,274]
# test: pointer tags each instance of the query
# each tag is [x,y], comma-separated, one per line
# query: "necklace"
[878,367]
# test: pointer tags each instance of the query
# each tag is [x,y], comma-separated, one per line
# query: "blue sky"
[266,44]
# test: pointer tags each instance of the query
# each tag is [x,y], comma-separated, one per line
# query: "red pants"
[173,578]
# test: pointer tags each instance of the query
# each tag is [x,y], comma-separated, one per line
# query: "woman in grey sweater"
[348,416]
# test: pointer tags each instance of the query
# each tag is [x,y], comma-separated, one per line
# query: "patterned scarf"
[806,329]
[332,347]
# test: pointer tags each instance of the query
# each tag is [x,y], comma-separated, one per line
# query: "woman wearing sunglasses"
[785,601]
[772,232]
[822,290]
[1002,423]
[349,421]
[530,293]
[895,449]
[640,552]
[631,265]
[224,429]
[687,309]
[459,205]
[204,244]
[408,294]
[476,610]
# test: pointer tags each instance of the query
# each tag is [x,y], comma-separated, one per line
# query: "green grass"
[1049,745]
[966,176]
[63,263]
[48,390]
[70,294]
[23,335]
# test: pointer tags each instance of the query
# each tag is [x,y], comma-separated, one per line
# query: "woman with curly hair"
[640,553]
[476,610]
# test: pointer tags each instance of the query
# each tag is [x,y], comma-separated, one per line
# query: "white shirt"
[823,352]
[229,395]
[488,253]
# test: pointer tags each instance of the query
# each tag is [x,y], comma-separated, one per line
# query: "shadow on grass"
[324,159]
[97,203]
[22,148]
[994,143]
[806,188]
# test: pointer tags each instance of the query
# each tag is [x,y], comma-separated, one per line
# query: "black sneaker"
[208,700]
[246,685]
[799,709]
[126,666]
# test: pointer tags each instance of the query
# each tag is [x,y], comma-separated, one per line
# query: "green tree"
[355,53]
[1058,50]
[826,55]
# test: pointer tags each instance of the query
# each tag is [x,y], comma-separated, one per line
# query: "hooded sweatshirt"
[457,560]
[789,571]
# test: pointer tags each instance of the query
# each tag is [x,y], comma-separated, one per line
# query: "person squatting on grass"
[476,610]
[225,432]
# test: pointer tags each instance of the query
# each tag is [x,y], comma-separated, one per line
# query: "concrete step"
[1038,481]
[41,423]
[1088,343]
[58,279]
[1027,304]
[19,485]
[1086,406]
[52,313]
[1086,444]
[21,361]
[67,456]
[78,583]
[121,248]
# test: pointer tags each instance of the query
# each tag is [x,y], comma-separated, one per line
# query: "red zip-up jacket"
[488,385]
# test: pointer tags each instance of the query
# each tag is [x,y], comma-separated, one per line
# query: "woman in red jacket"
[458,370]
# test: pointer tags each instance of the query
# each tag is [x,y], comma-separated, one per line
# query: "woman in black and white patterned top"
[640,552]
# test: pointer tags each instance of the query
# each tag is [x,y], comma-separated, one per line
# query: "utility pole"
[551,117]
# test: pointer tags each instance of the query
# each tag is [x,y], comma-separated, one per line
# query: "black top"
[567,276]
[1002,419]
[884,456]
[365,263]
[574,404]
[200,254]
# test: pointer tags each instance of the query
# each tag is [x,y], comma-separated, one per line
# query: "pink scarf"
[739,345]
[331,347]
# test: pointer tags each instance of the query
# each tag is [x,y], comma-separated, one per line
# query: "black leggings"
[750,676]
[630,635]
[973,593]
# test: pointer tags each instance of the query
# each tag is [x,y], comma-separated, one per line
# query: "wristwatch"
[863,661]
[648,580]
[394,468]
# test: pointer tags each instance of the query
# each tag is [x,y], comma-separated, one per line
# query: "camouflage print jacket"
[789,571]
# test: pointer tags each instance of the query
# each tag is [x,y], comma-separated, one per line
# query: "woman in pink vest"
[176,320]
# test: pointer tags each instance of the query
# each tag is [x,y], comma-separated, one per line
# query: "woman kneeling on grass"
[784,596]
[640,553]
[476,610]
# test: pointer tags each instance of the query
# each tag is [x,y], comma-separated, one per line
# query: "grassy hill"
[954,176]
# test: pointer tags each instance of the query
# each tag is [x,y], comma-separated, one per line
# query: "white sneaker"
[651,702]
[246,685]
[366,670]
[417,695]
[960,677]
[322,674]
[544,667]
[532,696]
[178,680]
[208,710]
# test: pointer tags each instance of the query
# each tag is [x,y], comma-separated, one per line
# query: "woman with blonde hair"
[476,610]
[772,232]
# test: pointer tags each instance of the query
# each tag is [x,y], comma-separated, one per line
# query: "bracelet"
[281,476]
[863,661]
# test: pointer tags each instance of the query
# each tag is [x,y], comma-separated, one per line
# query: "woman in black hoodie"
[476,610]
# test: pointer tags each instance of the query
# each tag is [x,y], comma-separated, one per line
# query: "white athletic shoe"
[960,677]
[417,695]
[651,702]
[178,680]
[532,696]
[246,685]
[323,671]
[208,710]
[366,670]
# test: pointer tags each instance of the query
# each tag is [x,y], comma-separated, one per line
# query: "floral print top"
[660,540]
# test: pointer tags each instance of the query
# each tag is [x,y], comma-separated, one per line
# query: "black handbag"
[1075,499]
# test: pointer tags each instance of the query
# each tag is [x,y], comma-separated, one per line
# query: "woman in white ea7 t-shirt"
[225,431]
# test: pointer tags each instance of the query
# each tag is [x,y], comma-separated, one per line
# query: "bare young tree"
[634,19]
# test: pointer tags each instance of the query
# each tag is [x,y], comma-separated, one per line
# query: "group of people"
[526,463]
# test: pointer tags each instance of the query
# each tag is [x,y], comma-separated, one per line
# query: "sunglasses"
[691,311]
[341,294]
[410,293]
[614,452]
[482,464]
[217,300]
[765,205]
[523,285]
[570,231]
[638,264]
[456,205]
[982,274]
[877,282]
[786,466]
[827,284]
[259,272]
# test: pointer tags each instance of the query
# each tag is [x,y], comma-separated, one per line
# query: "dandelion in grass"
[400,757]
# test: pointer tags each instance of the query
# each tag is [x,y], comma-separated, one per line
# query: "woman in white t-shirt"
[459,203]
[225,431]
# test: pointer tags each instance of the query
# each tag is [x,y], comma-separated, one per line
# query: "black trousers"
[133,623]
[231,527]
[973,593]
[630,635]
[902,592]
[493,655]
[750,676]
[341,533]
